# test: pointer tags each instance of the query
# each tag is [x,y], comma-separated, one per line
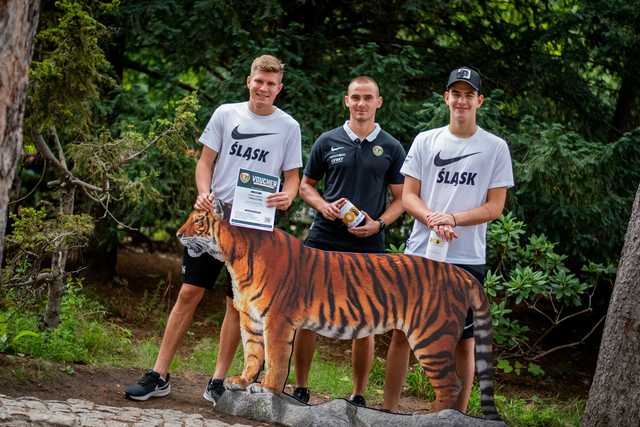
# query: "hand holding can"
[351,215]
[437,247]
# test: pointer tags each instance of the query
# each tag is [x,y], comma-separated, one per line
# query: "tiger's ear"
[218,211]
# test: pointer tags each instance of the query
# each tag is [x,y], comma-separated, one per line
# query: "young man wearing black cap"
[456,180]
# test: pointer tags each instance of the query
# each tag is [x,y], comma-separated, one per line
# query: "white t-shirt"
[455,174]
[268,144]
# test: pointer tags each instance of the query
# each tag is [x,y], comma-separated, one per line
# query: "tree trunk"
[614,398]
[18,20]
[59,263]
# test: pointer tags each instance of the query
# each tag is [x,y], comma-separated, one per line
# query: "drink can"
[350,215]
[437,247]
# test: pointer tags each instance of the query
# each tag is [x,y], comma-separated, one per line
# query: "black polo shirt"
[359,171]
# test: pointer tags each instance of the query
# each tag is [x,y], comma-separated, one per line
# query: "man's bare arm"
[204,173]
[312,197]
[488,211]
[411,200]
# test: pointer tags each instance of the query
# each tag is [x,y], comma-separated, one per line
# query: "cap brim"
[464,81]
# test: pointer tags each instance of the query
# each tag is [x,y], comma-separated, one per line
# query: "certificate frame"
[249,208]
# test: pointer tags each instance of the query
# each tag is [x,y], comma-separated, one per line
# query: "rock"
[284,409]
[30,411]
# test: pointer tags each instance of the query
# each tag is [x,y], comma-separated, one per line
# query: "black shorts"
[328,247]
[203,272]
[477,271]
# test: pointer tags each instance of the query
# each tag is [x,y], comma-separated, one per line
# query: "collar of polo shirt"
[373,135]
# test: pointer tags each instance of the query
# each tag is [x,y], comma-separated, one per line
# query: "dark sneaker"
[150,385]
[214,390]
[302,394]
[358,400]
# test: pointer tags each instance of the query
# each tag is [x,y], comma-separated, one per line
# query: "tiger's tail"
[484,351]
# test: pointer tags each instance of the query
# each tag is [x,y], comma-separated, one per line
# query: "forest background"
[120,91]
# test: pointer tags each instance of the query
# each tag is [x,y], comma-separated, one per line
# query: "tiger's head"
[197,233]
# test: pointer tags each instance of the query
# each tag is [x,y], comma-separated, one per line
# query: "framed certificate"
[249,207]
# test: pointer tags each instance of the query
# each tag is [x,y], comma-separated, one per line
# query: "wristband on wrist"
[455,223]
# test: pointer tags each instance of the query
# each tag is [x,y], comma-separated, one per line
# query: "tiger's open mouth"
[197,245]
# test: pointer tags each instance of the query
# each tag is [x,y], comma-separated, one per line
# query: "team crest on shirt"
[377,150]
[244,177]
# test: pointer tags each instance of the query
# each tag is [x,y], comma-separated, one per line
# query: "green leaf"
[505,366]
[518,367]
[23,334]
[535,369]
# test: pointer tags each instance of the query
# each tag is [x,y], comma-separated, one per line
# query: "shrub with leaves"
[576,191]
[527,275]
[34,238]
[83,334]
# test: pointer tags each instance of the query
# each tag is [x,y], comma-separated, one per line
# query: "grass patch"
[536,411]
[83,335]
[203,358]
[327,378]
[332,380]
[143,354]
[516,411]
[22,370]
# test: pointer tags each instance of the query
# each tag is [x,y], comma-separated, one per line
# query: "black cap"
[467,75]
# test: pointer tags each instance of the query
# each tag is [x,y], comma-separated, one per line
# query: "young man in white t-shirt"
[456,180]
[253,135]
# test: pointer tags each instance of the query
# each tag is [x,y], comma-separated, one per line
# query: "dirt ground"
[138,276]
[568,373]
[21,376]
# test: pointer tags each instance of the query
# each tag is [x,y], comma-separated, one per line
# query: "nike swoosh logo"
[236,134]
[336,148]
[443,162]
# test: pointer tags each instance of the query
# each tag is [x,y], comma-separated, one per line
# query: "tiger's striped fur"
[279,286]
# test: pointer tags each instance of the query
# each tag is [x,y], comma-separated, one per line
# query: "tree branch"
[42,146]
[556,323]
[46,152]
[149,145]
[63,159]
[105,206]
[42,277]
[537,310]
[573,344]
[585,310]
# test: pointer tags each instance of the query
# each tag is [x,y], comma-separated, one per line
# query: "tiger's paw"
[236,382]
[258,388]
[234,387]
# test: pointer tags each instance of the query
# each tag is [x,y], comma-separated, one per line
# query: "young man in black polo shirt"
[359,162]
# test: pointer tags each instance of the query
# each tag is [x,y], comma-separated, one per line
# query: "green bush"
[83,335]
[527,275]
[35,238]
[576,191]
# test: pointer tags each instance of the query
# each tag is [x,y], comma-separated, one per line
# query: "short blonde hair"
[268,64]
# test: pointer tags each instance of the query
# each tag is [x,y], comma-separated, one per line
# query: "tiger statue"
[279,286]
